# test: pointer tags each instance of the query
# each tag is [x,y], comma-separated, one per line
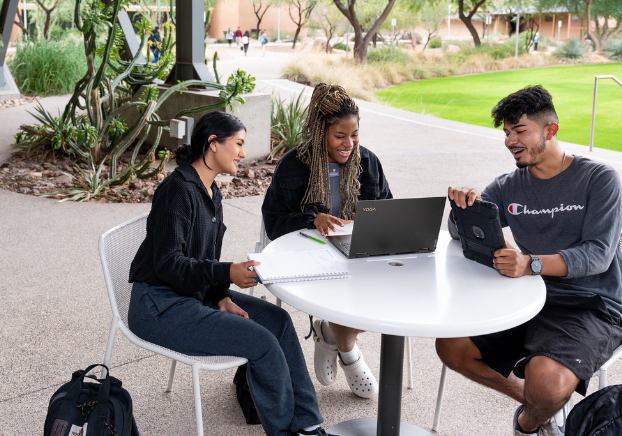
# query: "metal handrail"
[615,79]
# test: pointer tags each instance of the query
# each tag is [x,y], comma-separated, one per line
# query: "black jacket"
[281,206]
[184,239]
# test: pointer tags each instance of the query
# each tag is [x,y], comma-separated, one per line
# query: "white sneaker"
[557,423]
[360,379]
[324,356]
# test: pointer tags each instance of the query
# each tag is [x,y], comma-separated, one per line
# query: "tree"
[589,10]
[471,6]
[432,15]
[605,9]
[257,6]
[326,17]
[46,9]
[300,16]
[362,42]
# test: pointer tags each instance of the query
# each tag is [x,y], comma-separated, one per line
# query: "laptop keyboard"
[346,245]
[480,248]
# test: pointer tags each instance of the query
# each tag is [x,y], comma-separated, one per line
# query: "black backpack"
[245,400]
[600,414]
[105,407]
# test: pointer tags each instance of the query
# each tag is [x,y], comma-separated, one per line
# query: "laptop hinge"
[362,255]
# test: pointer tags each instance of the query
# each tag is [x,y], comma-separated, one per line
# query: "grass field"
[470,99]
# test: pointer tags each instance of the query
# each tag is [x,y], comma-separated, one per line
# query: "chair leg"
[410,363]
[602,378]
[113,331]
[171,375]
[197,400]
[279,302]
[439,399]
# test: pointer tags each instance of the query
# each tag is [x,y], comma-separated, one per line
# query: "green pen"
[311,237]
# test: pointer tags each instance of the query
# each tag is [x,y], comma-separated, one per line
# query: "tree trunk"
[466,19]
[296,36]
[588,18]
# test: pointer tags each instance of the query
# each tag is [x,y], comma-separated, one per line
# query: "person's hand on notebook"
[242,276]
[226,305]
[325,223]
[463,195]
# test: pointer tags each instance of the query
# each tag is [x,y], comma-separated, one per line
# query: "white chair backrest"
[117,249]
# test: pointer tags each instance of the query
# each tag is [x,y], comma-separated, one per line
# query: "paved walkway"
[55,312]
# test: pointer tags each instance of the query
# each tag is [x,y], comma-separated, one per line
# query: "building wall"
[233,13]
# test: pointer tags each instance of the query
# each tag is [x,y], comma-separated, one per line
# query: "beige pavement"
[55,312]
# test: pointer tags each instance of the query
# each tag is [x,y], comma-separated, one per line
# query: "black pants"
[578,331]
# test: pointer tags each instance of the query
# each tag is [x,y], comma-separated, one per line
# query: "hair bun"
[183,153]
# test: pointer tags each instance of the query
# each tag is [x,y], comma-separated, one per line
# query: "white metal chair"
[601,374]
[117,248]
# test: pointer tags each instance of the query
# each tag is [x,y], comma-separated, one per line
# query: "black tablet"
[480,232]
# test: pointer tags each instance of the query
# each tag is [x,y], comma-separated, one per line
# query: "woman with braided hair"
[316,186]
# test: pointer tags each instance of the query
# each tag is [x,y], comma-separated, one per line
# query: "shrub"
[340,46]
[436,42]
[571,50]
[613,49]
[388,54]
[286,120]
[48,67]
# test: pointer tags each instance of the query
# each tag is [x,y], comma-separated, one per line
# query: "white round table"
[433,295]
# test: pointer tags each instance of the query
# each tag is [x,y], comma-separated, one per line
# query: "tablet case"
[479,229]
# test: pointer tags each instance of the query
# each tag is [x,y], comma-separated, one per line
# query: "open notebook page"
[284,266]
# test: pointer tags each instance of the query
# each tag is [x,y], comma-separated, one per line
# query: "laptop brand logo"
[369,209]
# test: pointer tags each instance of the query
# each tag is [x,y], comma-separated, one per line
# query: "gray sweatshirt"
[578,214]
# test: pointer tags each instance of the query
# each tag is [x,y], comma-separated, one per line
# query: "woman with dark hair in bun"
[316,186]
[181,298]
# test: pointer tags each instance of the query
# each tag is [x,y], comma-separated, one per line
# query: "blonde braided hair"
[329,104]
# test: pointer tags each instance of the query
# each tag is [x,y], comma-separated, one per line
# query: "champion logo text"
[519,209]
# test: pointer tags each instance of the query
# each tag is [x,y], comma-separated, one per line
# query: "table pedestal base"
[368,427]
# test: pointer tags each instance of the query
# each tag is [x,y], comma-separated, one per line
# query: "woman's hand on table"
[325,223]
[242,276]
[463,196]
[226,305]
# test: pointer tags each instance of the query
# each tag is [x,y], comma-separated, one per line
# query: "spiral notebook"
[299,266]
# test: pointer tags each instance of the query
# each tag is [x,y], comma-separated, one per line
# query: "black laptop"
[390,227]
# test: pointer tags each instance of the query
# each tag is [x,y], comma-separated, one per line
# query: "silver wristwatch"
[536,265]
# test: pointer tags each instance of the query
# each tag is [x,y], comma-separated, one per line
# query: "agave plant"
[613,49]
[573,50]
[287,119]
[92,129]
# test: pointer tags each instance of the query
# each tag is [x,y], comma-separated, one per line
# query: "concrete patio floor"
[56,315]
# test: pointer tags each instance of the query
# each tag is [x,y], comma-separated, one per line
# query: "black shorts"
[577,331]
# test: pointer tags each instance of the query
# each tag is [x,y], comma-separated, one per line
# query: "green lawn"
[469,99]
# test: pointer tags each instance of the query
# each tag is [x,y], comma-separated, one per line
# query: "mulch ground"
[37,175]
[5,104]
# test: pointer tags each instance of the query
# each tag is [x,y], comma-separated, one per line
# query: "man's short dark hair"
[534,101]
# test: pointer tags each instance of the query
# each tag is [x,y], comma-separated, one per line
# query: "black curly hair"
[534,101]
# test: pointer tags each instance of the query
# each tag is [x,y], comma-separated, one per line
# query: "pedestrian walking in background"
[245,41]
[263,39]
[238,38]
[229,36]
[154,40]
[536,40]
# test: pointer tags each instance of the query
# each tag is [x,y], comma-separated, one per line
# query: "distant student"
[263,39]
[536,40]
[317,186]
[229,36]
[238,38]
[245,42]
[154,40]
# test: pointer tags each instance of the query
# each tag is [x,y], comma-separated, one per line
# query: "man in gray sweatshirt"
[565,213]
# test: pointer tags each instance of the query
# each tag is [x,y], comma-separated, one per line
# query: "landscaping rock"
[451,48]
[63,180]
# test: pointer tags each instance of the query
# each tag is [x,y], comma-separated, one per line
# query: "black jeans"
[278,378]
